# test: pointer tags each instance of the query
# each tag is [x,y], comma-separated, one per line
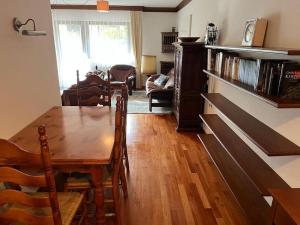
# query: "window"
[82,45]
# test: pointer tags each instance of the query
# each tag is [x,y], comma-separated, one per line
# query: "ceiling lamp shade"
[149,64]
[102,6]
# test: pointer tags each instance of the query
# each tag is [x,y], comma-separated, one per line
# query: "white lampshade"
[148,64]
[102,6]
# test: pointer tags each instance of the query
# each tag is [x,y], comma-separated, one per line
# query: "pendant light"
[102,6]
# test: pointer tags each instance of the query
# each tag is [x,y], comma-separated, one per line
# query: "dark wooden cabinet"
[190,82]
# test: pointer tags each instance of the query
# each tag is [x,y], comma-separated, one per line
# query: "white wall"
[153,25]
[283,31]
[28,76]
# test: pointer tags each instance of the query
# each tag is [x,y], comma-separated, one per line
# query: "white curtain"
[86,39]
[136,37]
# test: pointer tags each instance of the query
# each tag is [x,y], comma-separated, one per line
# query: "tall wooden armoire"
[190,82]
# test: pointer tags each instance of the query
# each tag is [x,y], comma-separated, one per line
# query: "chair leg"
[116,197]
[134,84]
[130,92]
[150,103]
[129,86]
[85,210]
[124,182]
[126,157]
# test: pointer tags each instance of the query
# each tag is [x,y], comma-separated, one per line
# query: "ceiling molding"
[93,7]
[125,8]
[182,4]
[159,9]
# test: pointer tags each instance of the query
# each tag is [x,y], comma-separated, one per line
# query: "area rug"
[138,103]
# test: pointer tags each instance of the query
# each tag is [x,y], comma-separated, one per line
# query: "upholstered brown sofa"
[124,73]
[164,94]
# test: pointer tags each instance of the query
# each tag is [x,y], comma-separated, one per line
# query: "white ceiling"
[147,3]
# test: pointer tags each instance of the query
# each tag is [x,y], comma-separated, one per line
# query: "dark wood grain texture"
[262,175]
[94,7]
[180,6]
[282,51]
[274,101]
[269,141]
[254,205]
[286,204]
[116,7]
[190,82]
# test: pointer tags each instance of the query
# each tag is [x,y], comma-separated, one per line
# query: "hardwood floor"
[172,180]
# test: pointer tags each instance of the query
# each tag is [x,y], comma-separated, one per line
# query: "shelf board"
[241,186]
[258,50]
[269,141]
[274,101]
[260,173]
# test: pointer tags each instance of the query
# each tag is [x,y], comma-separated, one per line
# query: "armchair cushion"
[161,80]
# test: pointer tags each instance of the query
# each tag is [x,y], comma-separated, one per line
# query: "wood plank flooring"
[172,180]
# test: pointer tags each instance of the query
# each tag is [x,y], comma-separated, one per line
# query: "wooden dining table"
[80,139]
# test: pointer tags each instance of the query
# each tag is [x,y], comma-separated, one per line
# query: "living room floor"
[172,179]
[138,102]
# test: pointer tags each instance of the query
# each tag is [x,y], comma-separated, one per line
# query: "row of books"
[266,76]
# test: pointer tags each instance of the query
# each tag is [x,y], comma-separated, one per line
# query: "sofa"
[163,93]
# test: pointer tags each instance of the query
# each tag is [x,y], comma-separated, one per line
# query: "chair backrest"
[97,72]
[124,112]
[12,160]
[122,72]
[93,91]
[118,150]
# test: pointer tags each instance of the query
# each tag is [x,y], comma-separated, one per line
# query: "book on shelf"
[235,68]
[223,63]
[266,76]
[289,82]
[248,72]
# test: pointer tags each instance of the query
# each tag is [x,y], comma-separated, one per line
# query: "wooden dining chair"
[34,208]
[113,174]
[123,90]
[124,125]
[93,91]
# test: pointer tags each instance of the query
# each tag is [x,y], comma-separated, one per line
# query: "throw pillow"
[161,80]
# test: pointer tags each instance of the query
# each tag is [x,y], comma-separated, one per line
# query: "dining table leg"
[97,180]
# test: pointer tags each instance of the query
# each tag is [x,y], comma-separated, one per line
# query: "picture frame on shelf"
[254,32]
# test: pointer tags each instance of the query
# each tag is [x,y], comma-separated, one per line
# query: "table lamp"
[148,65]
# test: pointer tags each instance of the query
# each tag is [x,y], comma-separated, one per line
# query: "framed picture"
[254,33]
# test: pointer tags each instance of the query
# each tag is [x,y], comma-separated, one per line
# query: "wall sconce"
[17,24]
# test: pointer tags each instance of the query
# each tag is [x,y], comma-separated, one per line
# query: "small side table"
[285,207]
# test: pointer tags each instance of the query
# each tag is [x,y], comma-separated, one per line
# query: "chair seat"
[69,203]
[83,181]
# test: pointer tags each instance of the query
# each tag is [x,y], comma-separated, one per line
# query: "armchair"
[164,94]
[124,73]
